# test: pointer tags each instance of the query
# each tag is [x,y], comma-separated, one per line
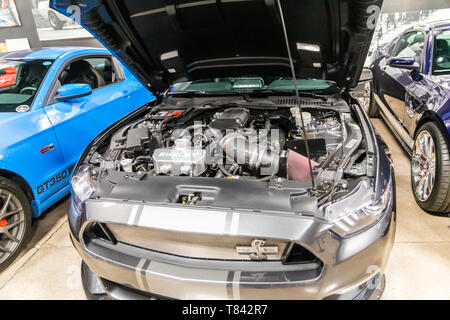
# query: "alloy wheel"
[423,164]
[12,224]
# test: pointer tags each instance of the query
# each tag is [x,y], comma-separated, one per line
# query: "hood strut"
[294,79]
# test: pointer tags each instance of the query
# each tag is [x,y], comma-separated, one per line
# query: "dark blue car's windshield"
[441,56]
[19,83]
[252,84]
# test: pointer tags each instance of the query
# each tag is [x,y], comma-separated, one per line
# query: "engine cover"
[180,161]
[232,118]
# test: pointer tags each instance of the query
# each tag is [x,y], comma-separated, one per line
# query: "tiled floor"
[418,268]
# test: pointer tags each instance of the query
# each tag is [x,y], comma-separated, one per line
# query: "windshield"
[252,84]
[19,83]
[441,56]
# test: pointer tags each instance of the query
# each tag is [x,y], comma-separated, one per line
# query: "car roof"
[50,53]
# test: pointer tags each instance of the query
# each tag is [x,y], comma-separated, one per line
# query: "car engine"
[233,142]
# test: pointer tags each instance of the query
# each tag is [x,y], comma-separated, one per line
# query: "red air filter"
[298,166]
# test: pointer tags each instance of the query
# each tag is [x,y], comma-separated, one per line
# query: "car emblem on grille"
[257,250]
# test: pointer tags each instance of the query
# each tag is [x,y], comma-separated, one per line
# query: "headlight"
[82,186]
[358,211]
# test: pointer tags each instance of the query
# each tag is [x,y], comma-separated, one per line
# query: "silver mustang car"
[254,174]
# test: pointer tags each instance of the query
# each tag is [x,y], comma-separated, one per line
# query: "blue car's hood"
[168,41]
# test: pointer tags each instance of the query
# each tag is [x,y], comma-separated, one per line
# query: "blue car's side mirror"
[404,63]
[72,91]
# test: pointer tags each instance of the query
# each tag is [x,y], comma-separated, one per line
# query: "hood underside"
[165,41]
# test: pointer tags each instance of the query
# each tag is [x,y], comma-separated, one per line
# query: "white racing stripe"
[108,204]
[234,223]
[185,283]
[183,219]
[236,292]
[133,214]
[139,274]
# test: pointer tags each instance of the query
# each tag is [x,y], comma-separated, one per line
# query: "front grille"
[191,245]
[120,291]
[298,254]
[194,245]
[98,230]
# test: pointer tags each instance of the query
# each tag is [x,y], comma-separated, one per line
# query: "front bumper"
[97,288]
[350,268]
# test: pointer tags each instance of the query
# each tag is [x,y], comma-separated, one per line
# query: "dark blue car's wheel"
[430,169]
[15,221]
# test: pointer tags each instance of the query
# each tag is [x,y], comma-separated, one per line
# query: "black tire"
[23,236]
[438,200]
[54,21]
[372,107]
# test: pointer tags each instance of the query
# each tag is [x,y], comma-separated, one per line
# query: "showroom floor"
[418,268]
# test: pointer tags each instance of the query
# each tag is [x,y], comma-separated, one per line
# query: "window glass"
[96,72]
[411,45]
[441,56]
[391,47]
[105,67]
[19,82]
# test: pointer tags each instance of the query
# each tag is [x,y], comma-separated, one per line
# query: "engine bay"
[235,141]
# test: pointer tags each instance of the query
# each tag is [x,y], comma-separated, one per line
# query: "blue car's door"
[78,121]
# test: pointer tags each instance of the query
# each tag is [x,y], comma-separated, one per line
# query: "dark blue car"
[411,91]
[53,102]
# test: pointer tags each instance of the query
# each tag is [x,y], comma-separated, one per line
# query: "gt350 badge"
[55,180]
[257,250]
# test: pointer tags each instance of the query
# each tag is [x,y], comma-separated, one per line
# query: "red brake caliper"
[3,223]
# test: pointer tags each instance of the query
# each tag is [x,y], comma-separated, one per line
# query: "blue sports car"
[53,102]
[411,91]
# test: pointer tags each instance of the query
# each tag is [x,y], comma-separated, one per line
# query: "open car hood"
[165,41]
